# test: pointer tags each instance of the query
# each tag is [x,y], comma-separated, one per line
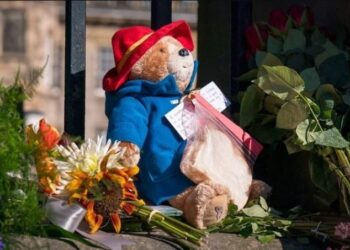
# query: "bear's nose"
[183,52]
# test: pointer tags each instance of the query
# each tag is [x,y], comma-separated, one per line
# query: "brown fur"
[156,59]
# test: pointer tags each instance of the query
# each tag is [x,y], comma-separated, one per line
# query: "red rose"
[278,19]
[298,11]
[256,36]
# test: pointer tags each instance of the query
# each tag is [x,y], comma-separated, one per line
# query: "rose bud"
[297,13]
[256,36]
[278,19]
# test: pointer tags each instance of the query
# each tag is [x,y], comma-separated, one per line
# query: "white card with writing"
[212,94]
[181,117]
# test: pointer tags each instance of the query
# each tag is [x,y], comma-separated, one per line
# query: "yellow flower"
[93,171]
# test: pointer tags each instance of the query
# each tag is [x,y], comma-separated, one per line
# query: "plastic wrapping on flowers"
[92,175]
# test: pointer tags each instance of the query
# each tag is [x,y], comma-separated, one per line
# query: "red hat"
[129,44]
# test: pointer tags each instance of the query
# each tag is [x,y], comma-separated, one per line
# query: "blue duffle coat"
[136,114]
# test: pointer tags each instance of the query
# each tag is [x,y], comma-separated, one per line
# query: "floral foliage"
[20,210]
[299,95]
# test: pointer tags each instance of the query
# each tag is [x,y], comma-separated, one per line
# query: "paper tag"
[182,119]
[212,94]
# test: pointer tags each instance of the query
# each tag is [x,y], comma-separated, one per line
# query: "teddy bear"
[154,70]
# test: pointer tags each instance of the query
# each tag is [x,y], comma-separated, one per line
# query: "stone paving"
[147,241]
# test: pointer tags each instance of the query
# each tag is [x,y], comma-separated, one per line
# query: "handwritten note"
[182,118]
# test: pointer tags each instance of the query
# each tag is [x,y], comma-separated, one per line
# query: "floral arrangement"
[299,95]
[92,175]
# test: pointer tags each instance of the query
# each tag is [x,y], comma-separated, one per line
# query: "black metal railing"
[220,49]
[74,103]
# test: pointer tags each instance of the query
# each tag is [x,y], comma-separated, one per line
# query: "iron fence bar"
[241,18]
[214,43]
[160,13]
[74,104]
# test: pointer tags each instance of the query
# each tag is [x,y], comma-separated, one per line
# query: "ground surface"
[146,241]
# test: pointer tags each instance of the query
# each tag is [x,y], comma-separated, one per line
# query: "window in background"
[13,29]
[105,63]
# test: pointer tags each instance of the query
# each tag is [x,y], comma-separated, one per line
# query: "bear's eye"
[161,50]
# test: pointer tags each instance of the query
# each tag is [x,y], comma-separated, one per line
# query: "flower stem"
[311,110]
[170,225]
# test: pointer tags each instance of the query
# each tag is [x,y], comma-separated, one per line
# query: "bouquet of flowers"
[300,95]
[91,174]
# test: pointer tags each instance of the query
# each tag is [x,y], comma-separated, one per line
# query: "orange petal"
[130,187]
[118,179]
[50,135]
[128,208]
[73,185]
[119,172]
[94,220]
[98,223]
[31,136]
[98,176]
[133,171]
[117,224]
[78,174]
[129,196]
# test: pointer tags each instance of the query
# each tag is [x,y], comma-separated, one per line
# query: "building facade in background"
[33,32]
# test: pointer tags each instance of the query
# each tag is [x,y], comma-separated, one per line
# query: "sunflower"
[93,175]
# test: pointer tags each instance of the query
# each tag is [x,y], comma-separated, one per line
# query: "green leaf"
[280,81]
[295,40]
[274,46]
[264,119]
[272,104]
[330,50]
[321,176]
[57,232]
[291,145]
[263,203]
[346,99]
[264,58]
[307,131]
[331,138]
[267,135]
[326,109]
[335,70]
[317,38]
[291,114]
[266,238]
[314,50]
[251,104]
[255,211]
[248,76]
[255,227]
[296,61]
[326,92]
[311,79]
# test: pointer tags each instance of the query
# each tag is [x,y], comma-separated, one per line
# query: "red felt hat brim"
[178,29]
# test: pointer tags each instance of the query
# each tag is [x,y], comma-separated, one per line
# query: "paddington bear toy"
[154,70]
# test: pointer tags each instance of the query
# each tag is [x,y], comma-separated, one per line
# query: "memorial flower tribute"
[298,94]
[92,175]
